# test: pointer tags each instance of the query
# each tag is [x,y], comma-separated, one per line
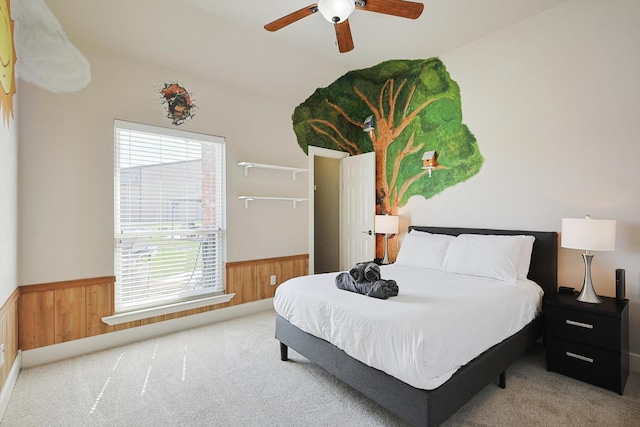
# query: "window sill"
[132,316]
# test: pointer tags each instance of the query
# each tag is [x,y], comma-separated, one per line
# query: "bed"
[427,401]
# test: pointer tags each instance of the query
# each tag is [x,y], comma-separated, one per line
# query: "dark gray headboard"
[544,259]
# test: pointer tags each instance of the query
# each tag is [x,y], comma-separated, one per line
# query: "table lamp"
[386,224]
[589,235]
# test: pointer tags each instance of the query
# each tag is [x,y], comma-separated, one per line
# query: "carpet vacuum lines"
[146,378]
[104,387]
[184,364]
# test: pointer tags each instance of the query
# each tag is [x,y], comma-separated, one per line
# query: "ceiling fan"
[338,11]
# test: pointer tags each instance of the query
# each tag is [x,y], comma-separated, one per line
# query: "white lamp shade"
[336,11]
[589,234]
[386,224]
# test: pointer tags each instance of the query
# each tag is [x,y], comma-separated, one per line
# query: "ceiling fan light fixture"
[336,11]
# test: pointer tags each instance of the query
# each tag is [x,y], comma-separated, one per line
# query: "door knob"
[370,232]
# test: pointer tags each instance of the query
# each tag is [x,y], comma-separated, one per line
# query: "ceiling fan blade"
[291,18]
[343,36]
[404,9]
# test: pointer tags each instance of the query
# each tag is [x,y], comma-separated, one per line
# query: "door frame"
[314,152]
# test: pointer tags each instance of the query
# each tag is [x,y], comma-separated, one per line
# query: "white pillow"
[424,250]
[491,256]
[524,260]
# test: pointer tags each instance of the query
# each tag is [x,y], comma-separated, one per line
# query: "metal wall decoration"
[178,102]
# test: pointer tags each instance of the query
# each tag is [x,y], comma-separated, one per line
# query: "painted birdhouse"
[430,159]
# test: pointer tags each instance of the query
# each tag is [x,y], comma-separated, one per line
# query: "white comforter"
[438,322]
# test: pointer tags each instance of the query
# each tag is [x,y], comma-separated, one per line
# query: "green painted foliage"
[332,118]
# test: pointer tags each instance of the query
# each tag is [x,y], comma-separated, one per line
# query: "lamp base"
[385,260]
[588,294]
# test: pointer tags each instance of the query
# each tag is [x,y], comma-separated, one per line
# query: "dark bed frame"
[432,407]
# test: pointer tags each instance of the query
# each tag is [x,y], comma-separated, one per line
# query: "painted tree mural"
[416,108]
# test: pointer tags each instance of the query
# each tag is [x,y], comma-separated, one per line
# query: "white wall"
[554,102]
[8,203]
[8,191]
[66,166]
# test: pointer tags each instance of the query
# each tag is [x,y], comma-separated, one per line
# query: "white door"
[358,207]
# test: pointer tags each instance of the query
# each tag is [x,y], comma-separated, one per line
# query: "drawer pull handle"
[577,356]
[582,325]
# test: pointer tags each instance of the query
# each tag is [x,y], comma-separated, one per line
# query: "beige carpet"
[230,374]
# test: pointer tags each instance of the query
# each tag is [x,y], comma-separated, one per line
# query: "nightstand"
[589,342]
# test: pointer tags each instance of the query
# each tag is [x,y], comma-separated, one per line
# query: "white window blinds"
[169,215]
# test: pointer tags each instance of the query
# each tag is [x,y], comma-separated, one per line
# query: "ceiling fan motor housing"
[336,11]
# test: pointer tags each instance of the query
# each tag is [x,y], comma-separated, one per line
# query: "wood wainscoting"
[9,334]
[53,313]
[250,280]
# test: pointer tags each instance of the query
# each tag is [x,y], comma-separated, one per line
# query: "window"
[169,216]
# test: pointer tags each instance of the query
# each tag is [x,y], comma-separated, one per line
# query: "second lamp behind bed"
[386,224]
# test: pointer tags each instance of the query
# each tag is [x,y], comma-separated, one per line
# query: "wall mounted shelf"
[248,199]
[249,165]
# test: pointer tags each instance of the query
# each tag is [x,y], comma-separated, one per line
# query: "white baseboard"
[52,353]
[7,387]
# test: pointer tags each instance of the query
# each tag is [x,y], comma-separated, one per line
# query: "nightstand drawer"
[593,365]
[583,327]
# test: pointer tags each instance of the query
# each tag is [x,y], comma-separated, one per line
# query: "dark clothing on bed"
[365,279]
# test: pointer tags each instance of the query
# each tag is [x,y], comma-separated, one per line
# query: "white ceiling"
[224,40]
